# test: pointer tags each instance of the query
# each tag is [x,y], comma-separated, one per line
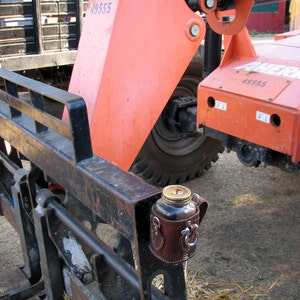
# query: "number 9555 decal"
[101,8]
[254,82]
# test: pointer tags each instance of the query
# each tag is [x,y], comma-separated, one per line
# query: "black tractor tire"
[167,159]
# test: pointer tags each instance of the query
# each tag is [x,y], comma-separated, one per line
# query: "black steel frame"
[90,189]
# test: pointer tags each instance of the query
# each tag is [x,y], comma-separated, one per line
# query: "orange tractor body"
[255,94]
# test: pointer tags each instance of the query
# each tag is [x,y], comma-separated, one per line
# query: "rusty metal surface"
[91,190]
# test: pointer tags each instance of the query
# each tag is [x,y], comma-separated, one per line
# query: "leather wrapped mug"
[174,222]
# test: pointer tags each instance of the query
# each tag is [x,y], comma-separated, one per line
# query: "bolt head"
[209,3]
[195,30]
[87,278]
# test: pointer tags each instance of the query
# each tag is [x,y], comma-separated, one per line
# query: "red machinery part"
[125,69]
[230,22]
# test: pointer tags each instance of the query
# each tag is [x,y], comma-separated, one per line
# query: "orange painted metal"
[204,7]
[286,35]
[230,22]
[238,45]
[255,94]
[130,58]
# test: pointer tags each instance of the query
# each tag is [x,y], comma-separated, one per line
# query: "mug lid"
[177,194]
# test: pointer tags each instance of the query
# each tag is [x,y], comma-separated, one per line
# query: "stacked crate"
[36,27]
[59,28]
[17,30]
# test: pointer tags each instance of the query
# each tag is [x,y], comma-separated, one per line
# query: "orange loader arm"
[130,58]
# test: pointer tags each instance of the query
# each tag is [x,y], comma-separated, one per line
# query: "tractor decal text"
[271,69]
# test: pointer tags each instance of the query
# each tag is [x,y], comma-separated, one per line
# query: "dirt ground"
[249,240]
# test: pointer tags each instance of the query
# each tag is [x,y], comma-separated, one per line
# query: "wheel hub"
[175,131]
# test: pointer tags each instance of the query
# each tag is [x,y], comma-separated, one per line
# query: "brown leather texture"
[168,242]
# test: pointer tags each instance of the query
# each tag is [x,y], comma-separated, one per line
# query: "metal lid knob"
[177,195]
